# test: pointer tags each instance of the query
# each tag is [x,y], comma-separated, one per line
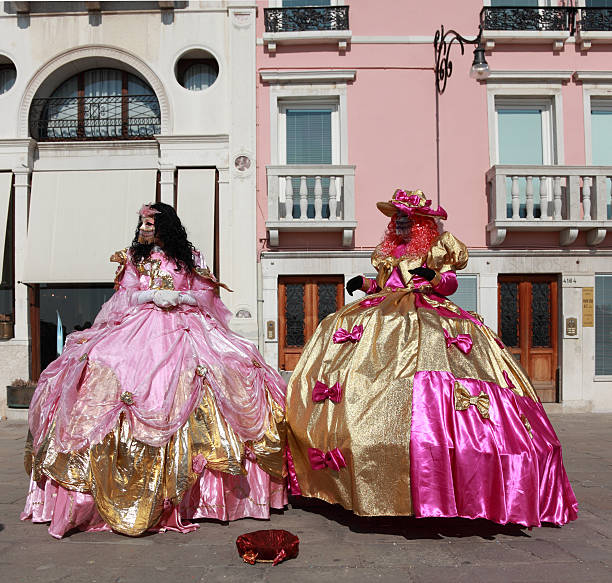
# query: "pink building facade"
[346,113]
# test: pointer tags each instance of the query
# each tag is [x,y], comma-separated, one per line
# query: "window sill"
[555,37]
[607,378]
[588,38]
[342,37]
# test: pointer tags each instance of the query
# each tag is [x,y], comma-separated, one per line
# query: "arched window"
[99,104]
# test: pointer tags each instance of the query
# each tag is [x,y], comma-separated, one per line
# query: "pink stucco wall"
[391,113]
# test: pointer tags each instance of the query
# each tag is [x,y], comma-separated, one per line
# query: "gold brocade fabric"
[158,277]
[205,273]
[372,423]
[446,253]
[119,257]
[129,479]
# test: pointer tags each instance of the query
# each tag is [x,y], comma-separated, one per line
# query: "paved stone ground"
[334,544]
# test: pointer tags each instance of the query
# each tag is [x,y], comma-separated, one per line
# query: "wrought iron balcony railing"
[116,117]
[545,18]
[306,18]
[595,19]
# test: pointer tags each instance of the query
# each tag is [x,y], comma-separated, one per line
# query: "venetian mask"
[146,232]
[402,225]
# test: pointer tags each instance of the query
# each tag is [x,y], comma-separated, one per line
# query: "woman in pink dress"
[403,403]
[158,413]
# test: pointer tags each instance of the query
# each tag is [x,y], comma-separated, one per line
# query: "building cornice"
[476,252]
[593,76]
[73,146]
[529,76]
[189,139]
[321,76]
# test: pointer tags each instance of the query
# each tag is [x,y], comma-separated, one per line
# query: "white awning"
[195,203]
[78,219]
[6,178]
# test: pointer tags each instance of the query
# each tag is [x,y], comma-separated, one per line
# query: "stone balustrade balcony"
[566,199]
[312,198]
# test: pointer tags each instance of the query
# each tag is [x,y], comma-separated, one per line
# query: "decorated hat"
[410,202]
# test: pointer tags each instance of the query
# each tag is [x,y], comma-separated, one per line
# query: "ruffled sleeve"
[203,288]
[120,257]
[203,275]
[447,253]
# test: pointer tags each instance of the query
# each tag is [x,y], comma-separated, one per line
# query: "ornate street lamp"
[443,69]
[443,41]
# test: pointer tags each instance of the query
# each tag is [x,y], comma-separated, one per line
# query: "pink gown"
[155,416]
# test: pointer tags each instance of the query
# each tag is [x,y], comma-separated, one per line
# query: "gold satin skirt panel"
[371,424]
[129,480]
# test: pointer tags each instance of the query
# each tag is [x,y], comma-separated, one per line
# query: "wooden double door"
[302,303]
[528,326]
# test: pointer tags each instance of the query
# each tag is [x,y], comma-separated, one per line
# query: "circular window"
[197,70]
[8,74]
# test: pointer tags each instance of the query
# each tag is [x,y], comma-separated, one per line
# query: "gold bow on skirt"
[463,399]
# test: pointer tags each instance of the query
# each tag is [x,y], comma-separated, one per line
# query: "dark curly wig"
[172,236]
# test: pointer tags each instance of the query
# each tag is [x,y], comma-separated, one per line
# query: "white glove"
[145,296]
[165,298]
[187,298]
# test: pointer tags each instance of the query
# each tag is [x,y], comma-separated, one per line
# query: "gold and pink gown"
[153,416]
[403,403]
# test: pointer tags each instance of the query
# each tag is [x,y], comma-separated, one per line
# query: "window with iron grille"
[98,104]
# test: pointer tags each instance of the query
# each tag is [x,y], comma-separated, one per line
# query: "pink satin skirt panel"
[465,465]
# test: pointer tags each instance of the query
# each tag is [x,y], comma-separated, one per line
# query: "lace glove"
[187,298]
[166,298]
[145,296]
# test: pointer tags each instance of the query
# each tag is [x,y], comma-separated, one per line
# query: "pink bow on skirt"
[332,459]
[321,392]
[372,301]
[342,335]
[462,341]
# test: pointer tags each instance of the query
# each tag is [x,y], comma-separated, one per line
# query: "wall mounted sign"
[588,307]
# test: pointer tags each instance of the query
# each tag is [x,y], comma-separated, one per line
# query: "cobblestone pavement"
[334,544]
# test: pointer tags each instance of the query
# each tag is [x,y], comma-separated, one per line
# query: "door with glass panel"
[601,144]
[302,303]
[309,136]
[525,137]
[528,326]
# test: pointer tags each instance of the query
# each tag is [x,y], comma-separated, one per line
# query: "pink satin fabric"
[342,335]
[292,480]
[464,465]
[462,341]
[215,495]
[321,391]
[153,353]
[319,460]
[371,302]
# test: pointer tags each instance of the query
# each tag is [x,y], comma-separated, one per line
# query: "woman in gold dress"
[405,404]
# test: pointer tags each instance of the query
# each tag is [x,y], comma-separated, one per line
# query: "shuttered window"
[309,138]
[603,324]
[309,141]
[466,295]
